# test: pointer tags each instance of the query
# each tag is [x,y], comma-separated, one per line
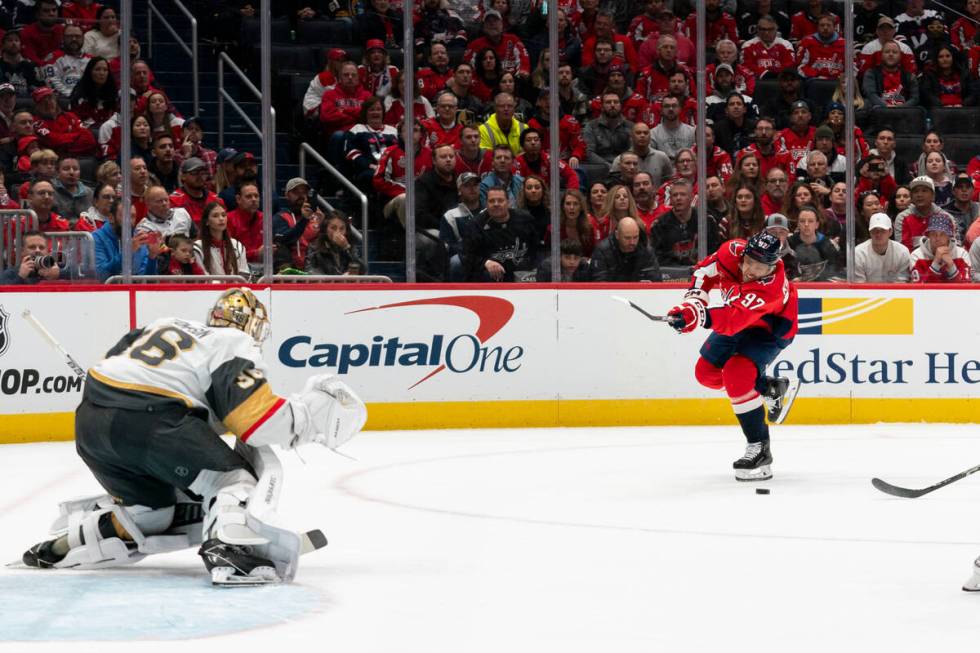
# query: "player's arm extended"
[326,411]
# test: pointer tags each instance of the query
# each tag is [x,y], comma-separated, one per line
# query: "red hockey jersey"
[769,303]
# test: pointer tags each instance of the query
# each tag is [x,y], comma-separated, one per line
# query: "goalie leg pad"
[225,500]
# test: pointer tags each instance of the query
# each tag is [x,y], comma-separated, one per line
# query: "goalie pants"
[140,457]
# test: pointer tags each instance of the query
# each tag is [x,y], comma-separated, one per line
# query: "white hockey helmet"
[241,309]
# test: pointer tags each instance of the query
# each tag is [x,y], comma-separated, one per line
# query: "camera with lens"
[876,167]
[48,261]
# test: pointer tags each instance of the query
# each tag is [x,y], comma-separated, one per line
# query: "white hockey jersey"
[218,370]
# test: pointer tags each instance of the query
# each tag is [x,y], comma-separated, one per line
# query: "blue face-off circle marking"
[150,605]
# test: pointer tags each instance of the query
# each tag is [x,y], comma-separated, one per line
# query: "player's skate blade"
[41,556]
[973,584]
[780,397]
[754,463]
[234,566]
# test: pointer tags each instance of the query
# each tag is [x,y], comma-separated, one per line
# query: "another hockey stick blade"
[655,318]
[909,493]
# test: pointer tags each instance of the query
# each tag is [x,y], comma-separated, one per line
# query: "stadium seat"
[293,57]
[765,88]
[960,149]
[820,93]
[908,148]
[910,121]
[456,56]
[298,83]
[956,120]
[252,34]
[318,32]
[593,172]
[355,53]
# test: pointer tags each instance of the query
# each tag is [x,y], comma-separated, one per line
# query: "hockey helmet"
[241,309]
[763,247]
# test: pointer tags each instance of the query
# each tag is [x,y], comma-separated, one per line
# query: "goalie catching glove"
[326,412]
[691,313]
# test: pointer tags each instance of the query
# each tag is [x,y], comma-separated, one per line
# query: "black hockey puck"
[762,490]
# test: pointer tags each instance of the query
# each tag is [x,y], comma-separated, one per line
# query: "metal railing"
[178,278]
[77,252]
[13,224]
[305,149]
[326,278]
[190,50]
[223,96]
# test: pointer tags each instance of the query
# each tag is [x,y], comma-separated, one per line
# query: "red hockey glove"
[688,316]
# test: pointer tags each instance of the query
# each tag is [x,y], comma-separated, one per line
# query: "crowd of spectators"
[774,118]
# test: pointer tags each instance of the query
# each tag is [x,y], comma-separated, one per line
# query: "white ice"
[550,540]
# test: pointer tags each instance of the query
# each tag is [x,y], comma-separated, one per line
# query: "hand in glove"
[688,316]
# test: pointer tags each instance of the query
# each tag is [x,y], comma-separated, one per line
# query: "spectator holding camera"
[36,264]
[874,177]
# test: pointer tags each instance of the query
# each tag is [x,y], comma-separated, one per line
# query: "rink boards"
[536,355]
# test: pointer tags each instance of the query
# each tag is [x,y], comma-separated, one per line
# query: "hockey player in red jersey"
[756,320]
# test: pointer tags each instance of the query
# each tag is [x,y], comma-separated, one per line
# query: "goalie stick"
[909,493]
[655,318]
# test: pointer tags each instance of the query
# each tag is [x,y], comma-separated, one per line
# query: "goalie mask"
[241,309]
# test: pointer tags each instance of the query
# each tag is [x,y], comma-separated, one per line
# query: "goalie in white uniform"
[148,429]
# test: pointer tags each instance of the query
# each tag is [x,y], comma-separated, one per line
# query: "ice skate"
[754,463]
[232,565]
[778,397]
[973,583]
[43,555]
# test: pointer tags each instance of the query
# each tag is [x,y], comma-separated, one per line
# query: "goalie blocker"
[144,428]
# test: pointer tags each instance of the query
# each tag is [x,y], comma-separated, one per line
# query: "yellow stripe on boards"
[579,413]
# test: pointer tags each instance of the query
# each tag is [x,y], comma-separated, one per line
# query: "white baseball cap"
[880,221]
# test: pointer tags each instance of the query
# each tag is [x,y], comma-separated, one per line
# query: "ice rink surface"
[549,540]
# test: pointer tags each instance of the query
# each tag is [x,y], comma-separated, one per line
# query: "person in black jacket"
[675,234]
[380,21]
[574,266]
[435,189]
[499,242]
[332,253]
[621,257]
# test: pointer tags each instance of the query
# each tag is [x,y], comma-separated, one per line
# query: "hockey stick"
[655,318]
[71,362]
[909,493]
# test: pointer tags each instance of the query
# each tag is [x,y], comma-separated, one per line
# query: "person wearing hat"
[510,50]
[455,221]
[193,194]
[911,223]
[224,171]
[939,259]
[821,55]
[376,72]
[881,259]
[333,58]
[888,84]
[294,226]
[963,209]
[62,131]
[634,105]
[768,53]
[15,69]
[823,141]
[722,85]
[380,21]
[246,172]
[869,57]
[835,119]
[727,53]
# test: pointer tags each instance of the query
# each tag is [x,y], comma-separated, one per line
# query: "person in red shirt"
[821,55]
[777,183]
[341,105]
[470,157]
[81,12]
[645,25]
[444,127]
[605,28]
[533,160]
[767,53]
[571,144]
[193,194]
[938,259]
[376,73]
[635,107]
[62,131]
[41,38]
[432,78]
[720,24]
[797,137]
[510,50]
[804,23]
[679,87]
[245,222]
[335,58]
[40,199]
[743,79]
[389,179]
[757,321]
[668,26]
[653,82]
[767,149]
